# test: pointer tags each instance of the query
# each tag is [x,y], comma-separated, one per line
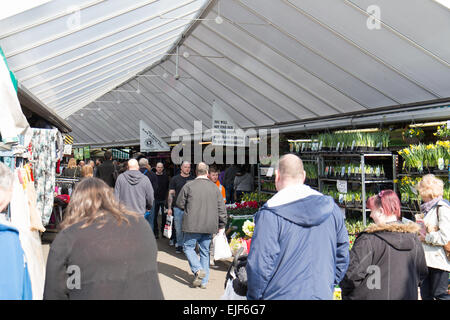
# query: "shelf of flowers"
[352,171]
[343,142]
[351,200]
[426,158]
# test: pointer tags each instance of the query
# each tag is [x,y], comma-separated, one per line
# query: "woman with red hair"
[387,261]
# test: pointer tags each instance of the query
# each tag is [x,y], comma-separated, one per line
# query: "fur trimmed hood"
[400,236]
[394,227]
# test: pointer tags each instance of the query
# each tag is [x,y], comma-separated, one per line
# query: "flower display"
[354,140]
[442,132]
[430,156]
[248,228]
[238,242]
[416,133]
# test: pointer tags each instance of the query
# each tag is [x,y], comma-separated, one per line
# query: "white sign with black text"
[149,140]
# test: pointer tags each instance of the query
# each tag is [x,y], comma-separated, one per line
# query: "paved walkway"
[176,277]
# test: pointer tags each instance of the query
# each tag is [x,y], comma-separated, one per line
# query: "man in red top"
[214,177]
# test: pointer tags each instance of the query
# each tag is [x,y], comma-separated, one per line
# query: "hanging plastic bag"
[230,294]
[168,227]
[221,247]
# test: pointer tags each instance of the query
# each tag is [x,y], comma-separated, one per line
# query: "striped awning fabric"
[68,139]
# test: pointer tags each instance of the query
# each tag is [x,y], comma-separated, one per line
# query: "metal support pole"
[363,186]
[394,171]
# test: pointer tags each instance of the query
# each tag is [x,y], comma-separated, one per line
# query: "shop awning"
[266,62]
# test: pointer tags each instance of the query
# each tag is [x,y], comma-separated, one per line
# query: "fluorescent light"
[358,130]
[428,124]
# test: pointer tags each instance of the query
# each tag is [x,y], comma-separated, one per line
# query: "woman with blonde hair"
[103,251]
[87,172]
[72,170]
[435,234]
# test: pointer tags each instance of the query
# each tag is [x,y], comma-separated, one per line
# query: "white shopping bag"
[168,227]
[221,247]
[230,294]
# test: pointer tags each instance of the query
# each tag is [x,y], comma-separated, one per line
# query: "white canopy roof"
[102,65]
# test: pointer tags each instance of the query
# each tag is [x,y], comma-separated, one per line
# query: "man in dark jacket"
[299,248]
[228,181]
[204,215]
[145,168]
[161,194]
[106,171]
[134,190]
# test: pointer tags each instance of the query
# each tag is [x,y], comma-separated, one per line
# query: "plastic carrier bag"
[221,247]
[168,227]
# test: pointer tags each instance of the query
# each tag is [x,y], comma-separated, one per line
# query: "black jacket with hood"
[135,191]
[387,262]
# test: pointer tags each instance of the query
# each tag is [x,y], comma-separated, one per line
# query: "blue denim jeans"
[150,217]
[204,241]
[178,221]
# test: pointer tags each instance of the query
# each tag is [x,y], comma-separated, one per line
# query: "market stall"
[31,153]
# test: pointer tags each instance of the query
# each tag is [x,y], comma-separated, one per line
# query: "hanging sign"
[150,141]
[225,131]
[341,186]
[78,153]
[87,152]
[67,149]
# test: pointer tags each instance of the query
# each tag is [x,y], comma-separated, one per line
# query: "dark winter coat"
[299,250]
[152,176]
[105,171]
[72,172]
[115,262]
[387,262]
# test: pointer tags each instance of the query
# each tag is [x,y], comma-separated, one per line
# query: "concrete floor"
[176,277]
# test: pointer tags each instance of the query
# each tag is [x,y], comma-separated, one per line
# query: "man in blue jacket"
[300,246]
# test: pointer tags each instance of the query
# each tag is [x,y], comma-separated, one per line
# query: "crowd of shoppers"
[299,249]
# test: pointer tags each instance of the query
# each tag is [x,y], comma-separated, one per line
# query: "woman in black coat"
[103,250]
[387,261]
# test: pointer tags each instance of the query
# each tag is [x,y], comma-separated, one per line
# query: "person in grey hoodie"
[134,189]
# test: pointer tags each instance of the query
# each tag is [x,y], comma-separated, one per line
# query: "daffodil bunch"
[414,156]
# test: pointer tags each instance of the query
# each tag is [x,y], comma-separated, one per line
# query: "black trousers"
[159,204]
[435,285]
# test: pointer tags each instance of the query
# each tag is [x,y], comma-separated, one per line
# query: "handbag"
[447,245]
